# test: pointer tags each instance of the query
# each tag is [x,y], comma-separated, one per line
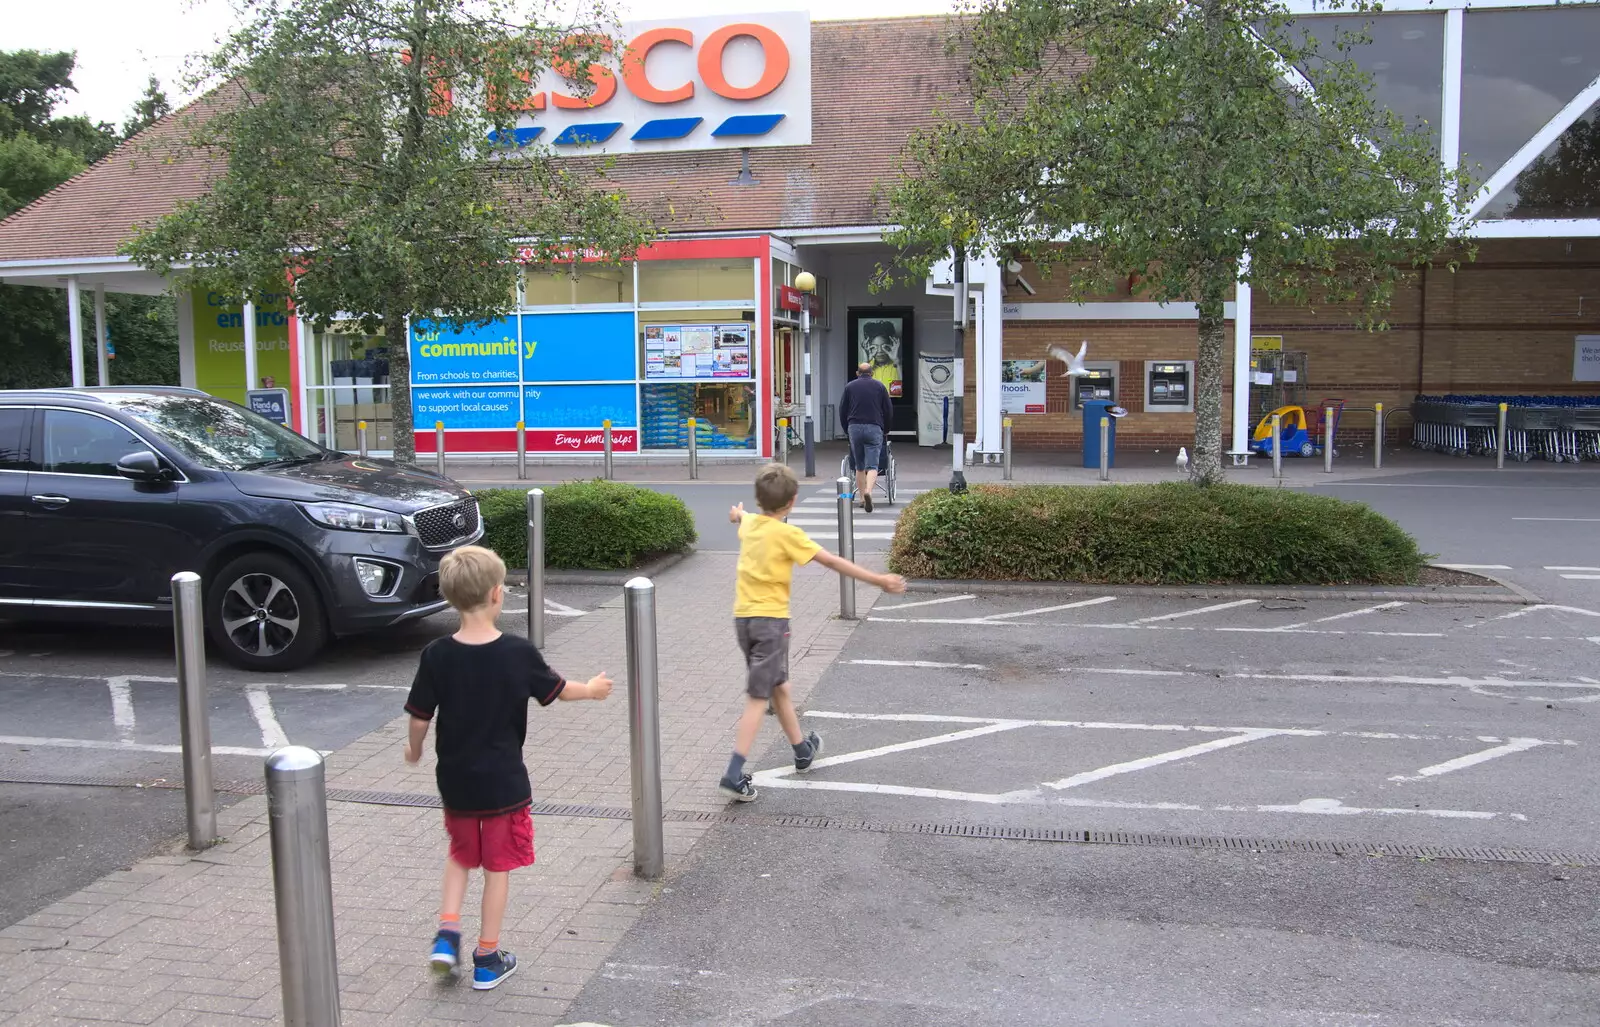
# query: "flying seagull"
[1075,368]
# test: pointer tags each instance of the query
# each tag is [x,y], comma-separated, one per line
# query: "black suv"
[106,493]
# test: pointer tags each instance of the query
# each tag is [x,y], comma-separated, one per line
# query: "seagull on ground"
[1075,368]
[1183,458]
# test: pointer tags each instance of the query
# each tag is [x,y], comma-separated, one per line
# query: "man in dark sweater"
[864,410]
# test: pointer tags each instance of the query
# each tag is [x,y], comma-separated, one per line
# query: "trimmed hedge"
[1168,534]
[588,525]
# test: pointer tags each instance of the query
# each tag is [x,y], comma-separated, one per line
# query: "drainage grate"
[1073,836]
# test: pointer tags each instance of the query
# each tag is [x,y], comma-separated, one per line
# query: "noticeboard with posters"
[697,352]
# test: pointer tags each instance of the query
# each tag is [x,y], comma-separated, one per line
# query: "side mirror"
[143,465]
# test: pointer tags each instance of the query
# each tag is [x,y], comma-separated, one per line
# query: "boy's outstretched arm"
[597,687]
[736,514]
[893,583]
[418,732]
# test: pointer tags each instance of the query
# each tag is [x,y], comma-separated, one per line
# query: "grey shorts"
[765,644]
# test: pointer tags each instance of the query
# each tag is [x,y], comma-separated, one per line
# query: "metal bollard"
[1327,440]
[1005,449]
[522,451]
[694,452]
[783,441]
[1377,436]
[644,728]
[1277,446]
[536,567]
[1105,449]
[605,427]
[1500,439]
[361,439]
[302,881]
[194,720]
[847,549]
[438,447]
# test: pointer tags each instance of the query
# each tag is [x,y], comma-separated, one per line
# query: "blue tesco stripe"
[582,135]
[748,125]
[519,136]
[666,128]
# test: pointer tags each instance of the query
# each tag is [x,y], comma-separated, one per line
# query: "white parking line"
[1049,609]
[122,714]
[918,664]
[1472,760]
[1195,613]
[272,734]
[1572,568]
[1582,577]
[1323,620]
[927,602]
[1578,520]
[95,743]
[1143,763]
[1474,566]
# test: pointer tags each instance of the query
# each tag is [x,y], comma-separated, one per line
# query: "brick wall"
[1504,323]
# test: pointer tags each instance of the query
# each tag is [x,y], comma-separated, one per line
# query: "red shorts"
[498,843]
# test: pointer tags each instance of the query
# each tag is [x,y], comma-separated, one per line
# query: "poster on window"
[697,351]
[1022,386]
[880,341]
[1586,359]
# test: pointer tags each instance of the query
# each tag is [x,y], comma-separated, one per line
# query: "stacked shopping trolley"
[1561,429]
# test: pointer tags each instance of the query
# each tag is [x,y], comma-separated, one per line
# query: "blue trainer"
[488,971]
[446,952]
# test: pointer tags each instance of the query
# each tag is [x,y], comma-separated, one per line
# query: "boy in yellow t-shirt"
[769,549]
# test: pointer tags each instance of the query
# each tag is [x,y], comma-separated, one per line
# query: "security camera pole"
[958,480]
[806,282]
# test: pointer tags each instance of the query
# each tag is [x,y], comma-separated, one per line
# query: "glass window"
[587,283]
[79,443]
[1562,182]
[13,432]
[1405,59]
[724,414]
[216,434]
[697,343]
[1518,69]
[697,281]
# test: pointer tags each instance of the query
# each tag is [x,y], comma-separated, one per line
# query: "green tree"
[150,108]
[1566,182]
[1159,138]
[357,139]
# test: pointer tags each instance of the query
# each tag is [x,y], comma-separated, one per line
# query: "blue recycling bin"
[1093,410]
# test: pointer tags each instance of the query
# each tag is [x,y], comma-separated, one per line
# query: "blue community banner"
[588,347]
[448,354]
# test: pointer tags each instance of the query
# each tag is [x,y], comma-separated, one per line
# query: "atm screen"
[1169,385]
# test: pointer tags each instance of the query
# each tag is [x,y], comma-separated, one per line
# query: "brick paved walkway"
[180,939]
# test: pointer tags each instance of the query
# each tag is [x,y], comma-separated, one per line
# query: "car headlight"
[349,517]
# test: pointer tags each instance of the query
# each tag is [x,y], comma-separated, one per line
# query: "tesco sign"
[721,82]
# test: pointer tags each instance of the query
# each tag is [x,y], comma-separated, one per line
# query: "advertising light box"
[697,352]
[448,354]
[587,347]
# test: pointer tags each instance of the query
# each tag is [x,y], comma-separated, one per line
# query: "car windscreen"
[220,435]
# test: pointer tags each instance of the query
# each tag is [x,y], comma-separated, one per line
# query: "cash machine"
[1099,384]
[1169,386]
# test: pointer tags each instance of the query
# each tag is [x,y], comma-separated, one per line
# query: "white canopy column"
[75,326]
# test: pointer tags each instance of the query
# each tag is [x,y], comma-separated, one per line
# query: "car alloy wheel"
[260,615]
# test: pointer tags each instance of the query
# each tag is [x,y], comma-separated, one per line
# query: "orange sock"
[487,946]
[450,923]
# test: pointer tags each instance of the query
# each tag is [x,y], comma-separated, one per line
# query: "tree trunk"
[1206,466]
[394,333]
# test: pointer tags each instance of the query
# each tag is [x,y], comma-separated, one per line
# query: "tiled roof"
[873,82]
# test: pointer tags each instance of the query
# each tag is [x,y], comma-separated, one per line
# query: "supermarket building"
[759,141]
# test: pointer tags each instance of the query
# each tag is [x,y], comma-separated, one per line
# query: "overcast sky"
[121,42]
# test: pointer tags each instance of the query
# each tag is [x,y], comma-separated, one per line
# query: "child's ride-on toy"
[1297,431]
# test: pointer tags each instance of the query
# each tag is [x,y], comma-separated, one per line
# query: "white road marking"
[272,735]
[1324,807]
[1324,620]
[989,728]
[927,602]
[1131,672]
[1195,613]
[561,610]
[1473,759]
[1582,577]
[122,707]
[1578,520]
[1144,763]
[1474,566]
[95,743]
[858,535]
[1572,568]
[919,664]
[1050,609]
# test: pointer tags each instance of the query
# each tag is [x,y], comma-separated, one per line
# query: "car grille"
[442,527]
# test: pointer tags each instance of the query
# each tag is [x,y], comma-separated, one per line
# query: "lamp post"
[806,283]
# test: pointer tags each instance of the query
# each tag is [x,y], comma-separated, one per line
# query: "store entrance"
[788,401]
[882,337]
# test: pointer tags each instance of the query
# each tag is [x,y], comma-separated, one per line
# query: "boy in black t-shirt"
[478,682]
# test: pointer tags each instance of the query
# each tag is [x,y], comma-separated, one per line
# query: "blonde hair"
[776,487]
[468,575]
